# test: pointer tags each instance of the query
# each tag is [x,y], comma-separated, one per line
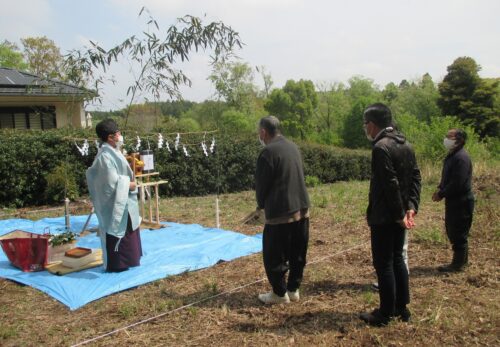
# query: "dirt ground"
[219,306]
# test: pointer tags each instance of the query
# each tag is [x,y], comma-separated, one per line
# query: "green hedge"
[28,158]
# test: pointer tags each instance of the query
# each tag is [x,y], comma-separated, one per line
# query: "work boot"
[271,298]
[375,318]
[457,264]
[403,313]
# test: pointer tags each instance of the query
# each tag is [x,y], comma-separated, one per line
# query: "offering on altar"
[135,163]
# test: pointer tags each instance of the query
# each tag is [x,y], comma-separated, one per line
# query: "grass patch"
[7,332]
[334,290]
[128,309]
[430,235]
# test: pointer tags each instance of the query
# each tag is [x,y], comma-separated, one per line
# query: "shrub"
[34,164]
[331,164]
[427,138]
[312,181]
[29,156]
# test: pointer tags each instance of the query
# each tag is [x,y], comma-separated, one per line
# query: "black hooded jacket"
[395,180]
[456,178]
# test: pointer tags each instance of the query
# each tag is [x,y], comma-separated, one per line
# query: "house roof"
[14,82]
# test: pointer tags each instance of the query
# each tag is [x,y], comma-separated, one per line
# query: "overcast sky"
[324,41]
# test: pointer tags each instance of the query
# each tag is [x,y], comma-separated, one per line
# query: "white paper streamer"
[204,146]
[177,140]
[138,146]
[84,150]
[79,149]
[160,141]
[185,151]
[212,145]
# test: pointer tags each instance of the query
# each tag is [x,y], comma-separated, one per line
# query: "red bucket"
[26,250]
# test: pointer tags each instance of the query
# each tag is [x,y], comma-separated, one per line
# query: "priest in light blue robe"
[113,192]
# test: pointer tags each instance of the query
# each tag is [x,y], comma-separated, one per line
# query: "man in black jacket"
[393,202]
[281,192]
[456,188]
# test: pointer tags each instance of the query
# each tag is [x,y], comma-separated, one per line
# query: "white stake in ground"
[217,220]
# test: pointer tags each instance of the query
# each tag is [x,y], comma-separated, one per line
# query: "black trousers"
[392,274]
[458,220]
[284,247]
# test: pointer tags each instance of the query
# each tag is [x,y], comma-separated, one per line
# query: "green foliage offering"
[61,183]
[62,239]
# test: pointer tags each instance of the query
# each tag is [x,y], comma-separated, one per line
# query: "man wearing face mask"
[281,192]
[392,204]
[113,192]
[456,188]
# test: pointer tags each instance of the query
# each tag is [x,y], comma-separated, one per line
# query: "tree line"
[325,113]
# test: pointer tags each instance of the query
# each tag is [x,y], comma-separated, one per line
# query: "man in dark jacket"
[393,202]
[456,188]
[281,192]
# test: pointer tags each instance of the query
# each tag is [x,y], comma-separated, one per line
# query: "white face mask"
[368,136]
[119,143]
[449,144]
[261,141]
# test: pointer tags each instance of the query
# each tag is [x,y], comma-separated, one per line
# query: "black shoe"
[375,318]
[451,268]
[404,314]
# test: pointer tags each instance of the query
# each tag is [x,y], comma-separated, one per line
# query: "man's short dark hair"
[271,124]
[105,128]
[379,114]
[461,136]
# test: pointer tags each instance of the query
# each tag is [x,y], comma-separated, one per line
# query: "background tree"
[43,56]
[417,98]
[353,134]
[465,95]
[390,92]
[234,83]
[294,105]
[156,53]
[361,93]
[266,79]
[333,107]
[11,57]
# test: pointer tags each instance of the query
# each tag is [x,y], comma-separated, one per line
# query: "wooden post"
[157,199]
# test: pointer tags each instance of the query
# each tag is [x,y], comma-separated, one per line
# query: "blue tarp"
[167,251]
